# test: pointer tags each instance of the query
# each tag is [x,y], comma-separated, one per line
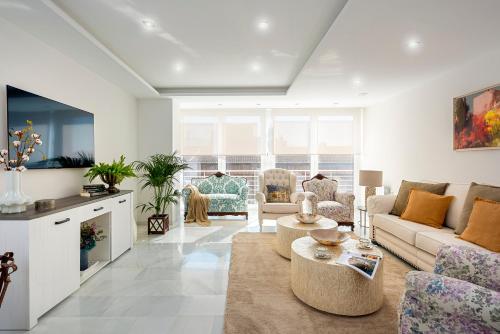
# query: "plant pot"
[13,200]
[84,259]
[111,181]
[158,224]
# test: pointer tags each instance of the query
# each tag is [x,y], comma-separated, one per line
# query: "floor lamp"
[370,179]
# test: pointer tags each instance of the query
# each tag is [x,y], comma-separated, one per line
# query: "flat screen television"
[67,132]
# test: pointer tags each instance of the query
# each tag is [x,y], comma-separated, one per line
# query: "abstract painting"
[476,120]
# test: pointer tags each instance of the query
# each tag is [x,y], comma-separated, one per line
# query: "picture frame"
[476,120]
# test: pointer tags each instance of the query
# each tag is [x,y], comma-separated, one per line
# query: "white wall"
[410,136]
[155,136]
[27,63]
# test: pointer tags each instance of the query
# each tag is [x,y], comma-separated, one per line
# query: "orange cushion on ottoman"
[427,208]
[483,227]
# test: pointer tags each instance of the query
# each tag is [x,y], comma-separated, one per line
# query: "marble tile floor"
[166,284]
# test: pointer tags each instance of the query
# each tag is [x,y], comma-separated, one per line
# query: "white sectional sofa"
[413,242]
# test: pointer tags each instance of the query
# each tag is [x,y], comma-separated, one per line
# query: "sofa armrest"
[380,204]
[477,266]
[346,199]
[260,198]
[186,192]
[243,192]
[434,303]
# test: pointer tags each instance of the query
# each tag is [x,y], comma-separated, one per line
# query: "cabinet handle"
[122,201]
[62,221]
[99,208]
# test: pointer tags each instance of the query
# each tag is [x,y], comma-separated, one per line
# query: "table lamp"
[370,179]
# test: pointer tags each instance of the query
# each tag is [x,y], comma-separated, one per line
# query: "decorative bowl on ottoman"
[329,237]
[307,218]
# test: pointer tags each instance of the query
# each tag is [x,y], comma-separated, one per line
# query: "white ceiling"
[310,56]
[215,42]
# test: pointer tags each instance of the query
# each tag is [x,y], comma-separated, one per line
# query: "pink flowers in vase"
[24,144]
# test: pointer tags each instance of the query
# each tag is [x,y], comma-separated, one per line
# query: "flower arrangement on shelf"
[111,174]
[24,144]
[89,236]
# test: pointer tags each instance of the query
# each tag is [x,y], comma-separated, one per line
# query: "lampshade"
[370,178]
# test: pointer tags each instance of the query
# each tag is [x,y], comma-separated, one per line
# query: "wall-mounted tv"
[67,132]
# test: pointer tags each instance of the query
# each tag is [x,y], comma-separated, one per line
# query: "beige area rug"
[260,300]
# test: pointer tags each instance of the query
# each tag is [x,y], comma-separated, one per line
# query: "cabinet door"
[121,225]
[56,254]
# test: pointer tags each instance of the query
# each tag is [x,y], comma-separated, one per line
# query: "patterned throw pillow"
[278,194]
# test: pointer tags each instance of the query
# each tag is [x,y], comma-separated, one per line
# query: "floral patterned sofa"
[330,203]
[461,296]
[228,194]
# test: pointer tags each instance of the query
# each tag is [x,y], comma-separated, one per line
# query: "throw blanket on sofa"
[197,207]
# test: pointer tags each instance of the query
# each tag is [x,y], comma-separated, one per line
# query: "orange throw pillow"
[427,208]
[483,227]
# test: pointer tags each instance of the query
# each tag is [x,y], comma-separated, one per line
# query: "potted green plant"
[89,236]
[158,172]
[111,174]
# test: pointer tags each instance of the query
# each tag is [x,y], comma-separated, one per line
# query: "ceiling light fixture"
[263,25]
[363,93]
[179,67]
[356,82]
[148,24]
[255,67]
[414,44]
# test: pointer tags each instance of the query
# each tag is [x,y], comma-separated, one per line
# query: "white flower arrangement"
[24,143]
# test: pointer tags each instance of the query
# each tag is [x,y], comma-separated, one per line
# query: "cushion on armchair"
[278,194]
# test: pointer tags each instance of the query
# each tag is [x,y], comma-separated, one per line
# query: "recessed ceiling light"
[263,25]
[335,103]
[148,24]
[255,67]
[297,104]
[258,104]
[219,104]
[269,109]
[363,93]
[179,67]
[414,44]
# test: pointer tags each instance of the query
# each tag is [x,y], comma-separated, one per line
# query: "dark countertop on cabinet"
[62,204]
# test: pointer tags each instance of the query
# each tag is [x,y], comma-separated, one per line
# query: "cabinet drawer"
[93,210]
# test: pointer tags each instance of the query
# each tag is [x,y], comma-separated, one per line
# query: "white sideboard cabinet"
[46,246]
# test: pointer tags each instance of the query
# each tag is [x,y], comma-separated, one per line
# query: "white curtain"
[291,135]
[334,135]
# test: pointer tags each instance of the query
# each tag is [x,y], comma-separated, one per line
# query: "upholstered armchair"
[461,296]
[283,178]
[330,203]
[228,194]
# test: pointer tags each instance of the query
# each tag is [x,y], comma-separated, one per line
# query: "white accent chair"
[279,177]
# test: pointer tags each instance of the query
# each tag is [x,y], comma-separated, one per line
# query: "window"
[199,166]
[338,167]
[300,165]
[244,142]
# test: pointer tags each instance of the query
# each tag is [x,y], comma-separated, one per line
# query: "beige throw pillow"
[404,193]
[475,190]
